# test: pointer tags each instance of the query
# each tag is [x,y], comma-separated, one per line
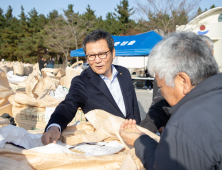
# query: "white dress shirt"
[115,90]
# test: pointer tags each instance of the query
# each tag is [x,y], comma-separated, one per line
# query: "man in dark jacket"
[156,118]
[42,62]
[193,88]
[100,86]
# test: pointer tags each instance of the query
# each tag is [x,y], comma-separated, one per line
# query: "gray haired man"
[190,82]
[156,118]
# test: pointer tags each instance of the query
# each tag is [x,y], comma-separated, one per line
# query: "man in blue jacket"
[101,86]
[189,79]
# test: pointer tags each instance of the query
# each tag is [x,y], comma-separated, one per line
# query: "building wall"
[210,18]
[213,29]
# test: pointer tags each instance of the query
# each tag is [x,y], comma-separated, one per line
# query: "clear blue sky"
[101,7]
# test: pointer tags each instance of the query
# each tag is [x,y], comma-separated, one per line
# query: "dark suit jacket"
[41,64]
[90,92]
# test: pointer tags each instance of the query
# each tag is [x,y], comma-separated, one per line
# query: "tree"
[52,15]
[123,13]
[2,24]
[78,24]
[111,25]
[89,14]
[59,38]
[9,36]
[22,17]
[165,15]
[199,11]
[33,19]
[8,14]
[212,6]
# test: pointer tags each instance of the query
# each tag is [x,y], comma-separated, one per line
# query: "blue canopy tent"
[134,45]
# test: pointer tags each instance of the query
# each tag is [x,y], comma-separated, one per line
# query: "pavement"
[144,98]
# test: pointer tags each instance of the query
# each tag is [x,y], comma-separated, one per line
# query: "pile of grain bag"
[91,145]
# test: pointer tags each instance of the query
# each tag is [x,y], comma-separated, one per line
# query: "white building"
[208,23]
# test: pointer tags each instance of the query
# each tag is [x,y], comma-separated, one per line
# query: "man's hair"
[41,57]
[182,52]
[208,41]
[98,35]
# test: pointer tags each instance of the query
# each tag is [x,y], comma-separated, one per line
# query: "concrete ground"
[144,98]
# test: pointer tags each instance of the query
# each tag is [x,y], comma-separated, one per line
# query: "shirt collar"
[114,74]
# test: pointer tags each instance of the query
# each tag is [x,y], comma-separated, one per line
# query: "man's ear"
[185,81]
[114,53]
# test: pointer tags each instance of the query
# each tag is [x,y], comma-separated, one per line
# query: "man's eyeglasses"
[100,55]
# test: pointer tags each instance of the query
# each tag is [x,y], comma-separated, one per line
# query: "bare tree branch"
[165,15]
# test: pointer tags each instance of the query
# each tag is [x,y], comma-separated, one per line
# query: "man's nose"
[97,59]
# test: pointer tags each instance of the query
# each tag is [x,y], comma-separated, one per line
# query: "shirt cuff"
[54,124]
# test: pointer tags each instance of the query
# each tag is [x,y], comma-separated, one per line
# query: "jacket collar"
[207,85]
[98,82]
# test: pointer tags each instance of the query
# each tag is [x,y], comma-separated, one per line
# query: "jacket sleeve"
[176,150]
[145,148]
[136,110]
[66,110]
[156,116]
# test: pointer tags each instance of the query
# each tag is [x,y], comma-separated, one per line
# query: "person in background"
[156,118]
[51,63]
[148,83]
[193,88]
[101,86]
[42,62]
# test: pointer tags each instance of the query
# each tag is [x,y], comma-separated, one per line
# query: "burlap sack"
[106,125]
[30,77]
[5,90]
[3,79]
[125,159]
[7,108]
[44,101]
[38,87]
[19,69]
[29,113]
[15,87]
[36,67]
[10,164]
[4,68]
[9,66]
[63,72]
[78,65]
[59,74]
[71,72]
[4,122]
[45,71]
[31,86]
[62,81]
[28,69]
[45,85]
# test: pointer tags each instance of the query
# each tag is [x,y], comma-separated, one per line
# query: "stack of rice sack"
[29,108]
[3,67]
[71,72]
[5,93]
[102,127]
[18,68]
